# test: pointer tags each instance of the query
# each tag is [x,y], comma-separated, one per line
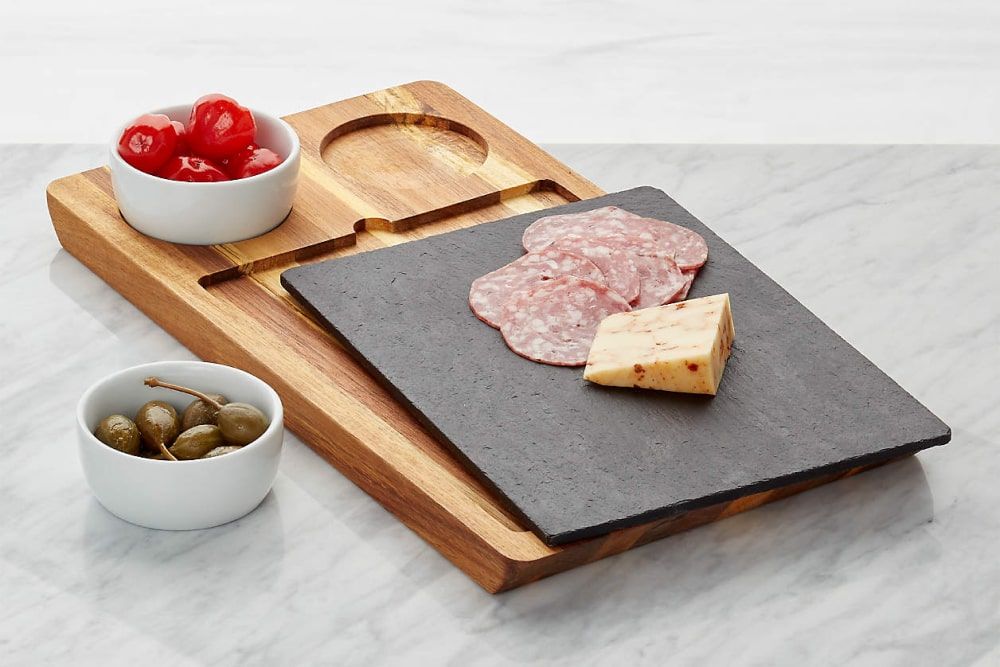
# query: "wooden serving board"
[377,170]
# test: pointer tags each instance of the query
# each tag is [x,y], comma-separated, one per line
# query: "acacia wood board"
[377,170]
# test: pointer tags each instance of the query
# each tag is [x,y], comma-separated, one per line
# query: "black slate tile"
[574,459]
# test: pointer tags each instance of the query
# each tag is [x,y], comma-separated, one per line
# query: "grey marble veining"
[895,247]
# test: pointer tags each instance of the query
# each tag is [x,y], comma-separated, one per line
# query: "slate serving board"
[576,460]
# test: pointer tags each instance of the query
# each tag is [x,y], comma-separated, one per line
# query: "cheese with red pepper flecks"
[679,347]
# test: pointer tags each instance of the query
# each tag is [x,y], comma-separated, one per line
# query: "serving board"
[377,170]
[576,460]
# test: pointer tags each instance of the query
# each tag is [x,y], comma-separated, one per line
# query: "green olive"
[241,423]
[119,432]
[158,423]
[199,412]
[196,442]
[219,451]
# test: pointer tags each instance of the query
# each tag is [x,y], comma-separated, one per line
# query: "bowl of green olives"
[180,445]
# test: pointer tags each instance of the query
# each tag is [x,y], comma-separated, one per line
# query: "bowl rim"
[277,422]
[293,156]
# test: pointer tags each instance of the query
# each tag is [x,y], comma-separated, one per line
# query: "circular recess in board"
[401,151]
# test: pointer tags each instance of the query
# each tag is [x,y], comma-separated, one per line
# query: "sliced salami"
[689,276]
[604,221]
[645,236]
[489,292]
[689,248]
[615,262]
[555,321]
[661,280]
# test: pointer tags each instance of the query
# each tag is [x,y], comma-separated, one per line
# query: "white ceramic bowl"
[178,495]
[210,213]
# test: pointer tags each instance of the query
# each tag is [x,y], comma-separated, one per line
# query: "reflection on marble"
[895,247]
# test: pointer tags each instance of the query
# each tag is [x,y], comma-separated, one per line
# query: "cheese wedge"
[678,347]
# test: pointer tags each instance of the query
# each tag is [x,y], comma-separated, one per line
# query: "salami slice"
[660,280]
[555,321]
[644,236]
[489,292]
[689,276]
[688,247]
[604,221]
[615,262]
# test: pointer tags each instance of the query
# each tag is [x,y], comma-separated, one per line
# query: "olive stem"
[166,452]
[156,382]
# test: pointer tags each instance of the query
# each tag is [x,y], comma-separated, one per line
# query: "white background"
[773,71]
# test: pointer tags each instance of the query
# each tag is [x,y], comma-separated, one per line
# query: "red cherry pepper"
[182,143]
[219,127]
[192,169]
[240,155]
[148,142]
[256,162]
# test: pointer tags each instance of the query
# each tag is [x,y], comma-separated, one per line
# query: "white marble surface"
[895,247]
[768,71]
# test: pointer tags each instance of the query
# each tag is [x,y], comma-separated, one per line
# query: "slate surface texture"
[575,460]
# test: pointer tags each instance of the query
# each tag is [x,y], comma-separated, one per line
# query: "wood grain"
[380,169]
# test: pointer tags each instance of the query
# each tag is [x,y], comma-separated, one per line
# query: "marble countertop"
[895,247]
[768,71]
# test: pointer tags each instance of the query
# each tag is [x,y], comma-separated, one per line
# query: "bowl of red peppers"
[203,174]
